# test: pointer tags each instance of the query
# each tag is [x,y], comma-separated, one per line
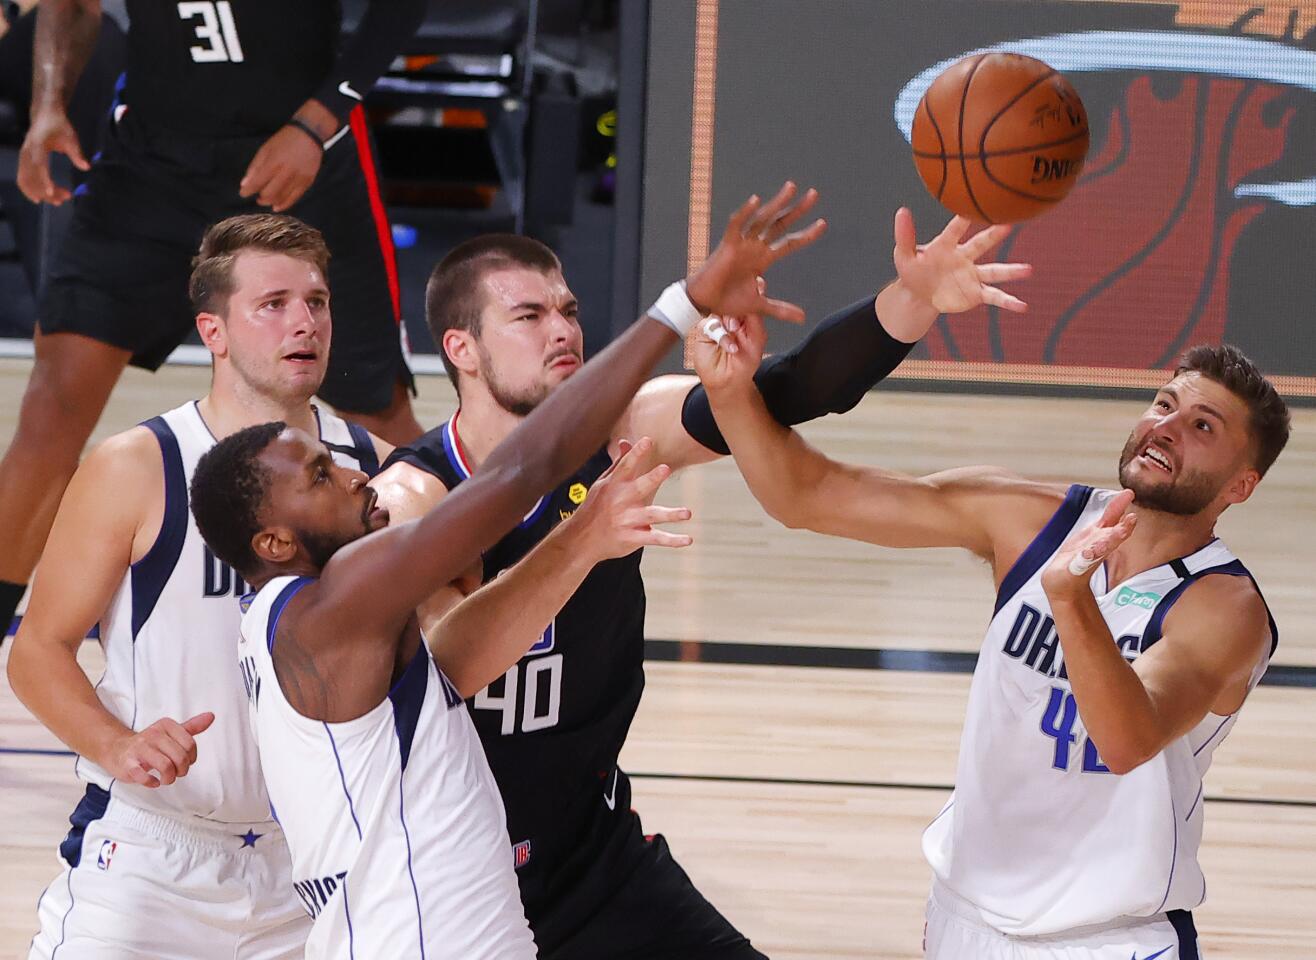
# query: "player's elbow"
[1125,757]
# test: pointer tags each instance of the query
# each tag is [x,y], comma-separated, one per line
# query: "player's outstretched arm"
[93,542]
[983,509]
[478,640]
[1212,639]
[377,581]
[852,350]
[65,38]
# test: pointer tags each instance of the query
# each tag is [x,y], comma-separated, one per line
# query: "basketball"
[1000,137]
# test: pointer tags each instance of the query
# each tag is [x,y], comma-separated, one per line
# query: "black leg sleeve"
[841,360]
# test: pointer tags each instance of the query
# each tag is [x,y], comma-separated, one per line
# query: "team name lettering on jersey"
[1033,640]
[250,679]
[219,579]
[316,893]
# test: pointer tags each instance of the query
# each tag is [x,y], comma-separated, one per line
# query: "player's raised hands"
[1071,568]
[727,352]
[945,273]
[756,237]
[50,132]
[618,515]
[158,755]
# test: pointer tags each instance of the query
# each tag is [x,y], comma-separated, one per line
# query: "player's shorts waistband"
[193,831]
[946,900]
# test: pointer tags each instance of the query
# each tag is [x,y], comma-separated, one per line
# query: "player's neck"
[228,410]
[1158,539]
[482,424]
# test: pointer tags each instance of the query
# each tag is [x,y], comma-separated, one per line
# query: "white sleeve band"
[674,308]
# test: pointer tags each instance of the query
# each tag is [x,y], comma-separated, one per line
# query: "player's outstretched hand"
[1071,568]
[756,237]
[727,351]
[160,754]
[945,272]
[618,516]
[49,133]
[282,170]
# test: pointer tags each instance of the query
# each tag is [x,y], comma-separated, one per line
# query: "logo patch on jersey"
[1130,597]
[520,854]
[577,493]
[546,641]
[107,852]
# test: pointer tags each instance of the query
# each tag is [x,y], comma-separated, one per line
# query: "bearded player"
[1124,640]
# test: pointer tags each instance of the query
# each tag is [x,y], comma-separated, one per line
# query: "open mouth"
[301,356]
[1157,459]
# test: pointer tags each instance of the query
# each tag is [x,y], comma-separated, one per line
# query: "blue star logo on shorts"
[249,840]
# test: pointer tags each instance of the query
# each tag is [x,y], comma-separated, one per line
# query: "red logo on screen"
[1135,265]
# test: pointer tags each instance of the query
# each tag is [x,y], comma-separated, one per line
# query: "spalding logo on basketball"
[1000,137]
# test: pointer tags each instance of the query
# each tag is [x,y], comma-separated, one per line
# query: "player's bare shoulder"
[407,491]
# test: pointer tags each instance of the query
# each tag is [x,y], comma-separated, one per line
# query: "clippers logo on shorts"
[1199,173]
[520,854]
[108,847]
[316,893]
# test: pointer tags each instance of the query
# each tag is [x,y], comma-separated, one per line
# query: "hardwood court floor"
[795,796]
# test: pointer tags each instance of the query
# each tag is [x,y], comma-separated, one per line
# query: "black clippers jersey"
[227,68]
[553,726]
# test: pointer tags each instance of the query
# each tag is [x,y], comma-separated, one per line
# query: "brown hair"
[211,283]
[1269,414]
[454,298]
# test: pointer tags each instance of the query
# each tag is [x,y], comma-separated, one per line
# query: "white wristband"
[674,308]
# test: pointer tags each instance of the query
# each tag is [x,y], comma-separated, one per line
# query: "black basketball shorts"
[653,913]
[120,275]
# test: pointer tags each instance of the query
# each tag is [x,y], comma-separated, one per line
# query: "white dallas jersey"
[170,634]
[1039,836]
[396,827]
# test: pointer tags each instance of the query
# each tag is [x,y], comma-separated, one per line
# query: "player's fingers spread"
[763,219]
[793,213]
[801,238]
[663,538]
[1004,272]
[657,514]
[999,298]
[736,222]
[978,244]
[903,231]
[647,485]
[953,232]
[783,310]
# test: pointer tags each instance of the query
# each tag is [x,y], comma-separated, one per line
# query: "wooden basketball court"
[805,694]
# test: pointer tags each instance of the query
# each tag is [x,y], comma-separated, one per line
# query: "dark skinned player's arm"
[369,590]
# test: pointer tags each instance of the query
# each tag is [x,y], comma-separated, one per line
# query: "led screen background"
[1194,219]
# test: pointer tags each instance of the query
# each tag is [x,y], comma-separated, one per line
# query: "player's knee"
[55,417]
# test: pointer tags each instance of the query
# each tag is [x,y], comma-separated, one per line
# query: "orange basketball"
[1000,137]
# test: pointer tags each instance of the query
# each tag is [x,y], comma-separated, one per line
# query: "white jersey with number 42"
[1039,835]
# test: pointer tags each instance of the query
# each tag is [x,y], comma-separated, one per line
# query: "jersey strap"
[1046,543]
[365,450]
[276,609]
[408,696]
[152,572]
[1234,568]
